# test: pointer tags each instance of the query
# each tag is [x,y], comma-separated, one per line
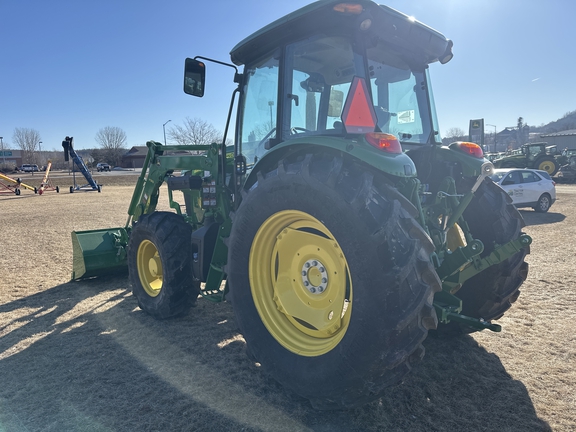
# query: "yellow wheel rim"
[149,268]
[546,166]
[300,283]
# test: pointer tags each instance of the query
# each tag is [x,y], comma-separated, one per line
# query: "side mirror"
[194,77]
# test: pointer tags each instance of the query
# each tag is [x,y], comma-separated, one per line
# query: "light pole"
[164,129]
[3,155]
[494,126]
[40,151]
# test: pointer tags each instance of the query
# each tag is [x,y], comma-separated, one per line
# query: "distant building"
[562,140]
[134,158]
[11,158]
[512,138]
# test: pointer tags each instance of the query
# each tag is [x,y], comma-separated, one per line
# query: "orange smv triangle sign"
[358,115]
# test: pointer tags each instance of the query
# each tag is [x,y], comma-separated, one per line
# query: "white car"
[527,187]
[29,168]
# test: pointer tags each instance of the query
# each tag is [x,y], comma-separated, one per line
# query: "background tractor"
[533,155]
[344,230]
[567,171]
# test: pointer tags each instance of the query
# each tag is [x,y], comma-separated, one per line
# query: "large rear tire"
[330,280]
[548,164]
[493,219]
[159,265]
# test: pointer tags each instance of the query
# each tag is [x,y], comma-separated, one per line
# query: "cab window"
[529,177]
[513,178]
[319,72]
[260,105]
[400,96]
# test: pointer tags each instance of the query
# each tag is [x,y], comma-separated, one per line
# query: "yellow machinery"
[46,184]
[11,185]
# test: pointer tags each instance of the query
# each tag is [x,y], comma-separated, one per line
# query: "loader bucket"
[98,252]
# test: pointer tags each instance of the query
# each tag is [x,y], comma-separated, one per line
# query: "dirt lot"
[81,356]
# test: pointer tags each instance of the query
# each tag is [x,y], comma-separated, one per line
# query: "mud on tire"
[293,216]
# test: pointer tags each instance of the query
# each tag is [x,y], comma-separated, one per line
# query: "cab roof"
[421,42]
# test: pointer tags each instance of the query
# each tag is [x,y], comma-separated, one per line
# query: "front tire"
[159,265]
[330,280]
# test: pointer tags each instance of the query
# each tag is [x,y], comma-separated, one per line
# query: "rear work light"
[469,148]
[385,142]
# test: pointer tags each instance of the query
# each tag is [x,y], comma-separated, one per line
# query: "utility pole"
[164,129]
[3,155]
[494,126]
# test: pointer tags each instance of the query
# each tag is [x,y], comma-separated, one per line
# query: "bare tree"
[112,140]
[455,133]
[27,139]
[194,132]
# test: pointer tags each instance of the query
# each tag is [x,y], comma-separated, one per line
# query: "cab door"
[258,115]
[533,186]
[512,184]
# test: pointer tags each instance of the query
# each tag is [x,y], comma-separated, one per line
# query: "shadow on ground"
[82,356]
[535,218]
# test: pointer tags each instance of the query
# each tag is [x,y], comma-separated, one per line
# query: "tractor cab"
[336,70]
[533,150]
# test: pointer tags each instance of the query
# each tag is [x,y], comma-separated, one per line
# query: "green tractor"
[567,171]
[338,225]
[562,157]
[533,155]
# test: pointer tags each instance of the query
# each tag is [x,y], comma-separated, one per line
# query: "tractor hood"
[415,40]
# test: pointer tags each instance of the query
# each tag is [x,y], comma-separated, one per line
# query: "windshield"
[497,176]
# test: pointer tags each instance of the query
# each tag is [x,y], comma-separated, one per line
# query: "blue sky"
[72,67]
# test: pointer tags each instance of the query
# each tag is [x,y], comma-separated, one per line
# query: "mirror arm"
[221,63]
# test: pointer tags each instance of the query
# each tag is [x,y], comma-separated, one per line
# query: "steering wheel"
[296,129]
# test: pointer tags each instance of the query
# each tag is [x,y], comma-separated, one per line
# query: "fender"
[398,165]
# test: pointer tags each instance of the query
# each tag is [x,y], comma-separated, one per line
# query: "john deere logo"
[475,125]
